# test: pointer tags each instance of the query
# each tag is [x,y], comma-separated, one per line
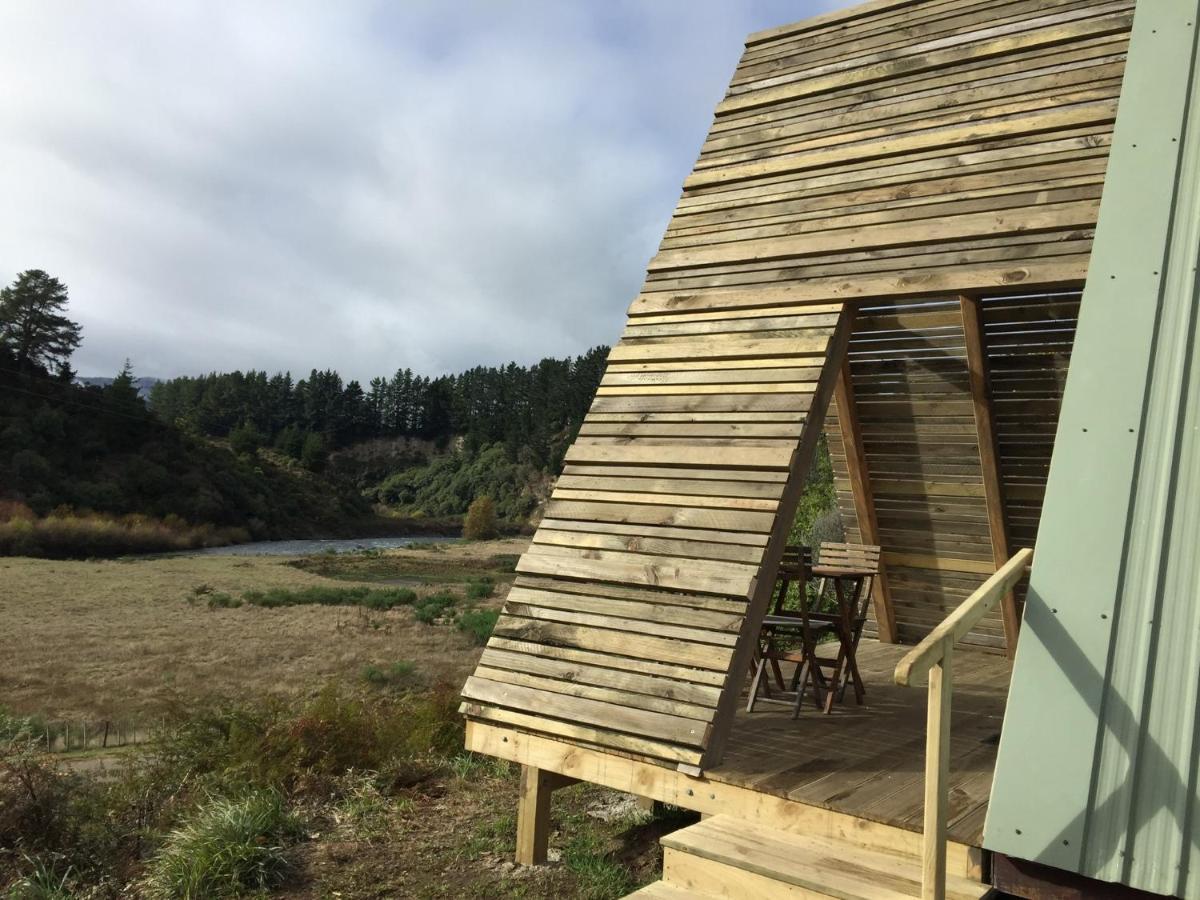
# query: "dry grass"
[122,638]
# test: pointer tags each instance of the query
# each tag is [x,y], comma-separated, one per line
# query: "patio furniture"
[794,636]
[851,570]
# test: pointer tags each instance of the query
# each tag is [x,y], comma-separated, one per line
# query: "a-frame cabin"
[886,239]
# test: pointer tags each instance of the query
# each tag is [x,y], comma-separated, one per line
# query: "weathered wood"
[864,498]
[533,814]
[988,457]
[937,770]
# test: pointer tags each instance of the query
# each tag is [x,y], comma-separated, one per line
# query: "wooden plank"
[557,611]
[723,579]
[644,647]
[988,457]
[681,674]
[688,696]
[579,734]
[640,543]
[589,450]
[864,499]
[673,729]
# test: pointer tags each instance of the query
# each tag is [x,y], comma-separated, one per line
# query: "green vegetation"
[480,587]
[479,624]
[397,675]
[226,848]
[372,598]
[428,609]
[448,484]
[92,472]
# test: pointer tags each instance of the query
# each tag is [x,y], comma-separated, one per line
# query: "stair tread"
[661,890]
[837,868]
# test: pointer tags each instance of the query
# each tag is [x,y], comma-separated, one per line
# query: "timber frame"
[882,241]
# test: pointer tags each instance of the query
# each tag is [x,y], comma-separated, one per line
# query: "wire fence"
[68,735]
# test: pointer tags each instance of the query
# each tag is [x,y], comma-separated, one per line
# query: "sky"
[364,186]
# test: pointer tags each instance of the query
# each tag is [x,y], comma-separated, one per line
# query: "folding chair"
[852,567]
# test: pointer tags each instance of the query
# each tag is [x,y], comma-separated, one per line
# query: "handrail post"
[937,771]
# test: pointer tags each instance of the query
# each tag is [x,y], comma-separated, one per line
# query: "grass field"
[134,638]
[337,723]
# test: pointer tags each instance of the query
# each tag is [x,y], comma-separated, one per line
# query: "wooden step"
[723,856]
[660,890]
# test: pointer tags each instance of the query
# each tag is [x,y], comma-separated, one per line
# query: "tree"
[480,523]
[32,325]
[245,439]
[313,456]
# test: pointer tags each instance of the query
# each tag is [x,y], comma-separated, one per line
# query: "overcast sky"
[356,185]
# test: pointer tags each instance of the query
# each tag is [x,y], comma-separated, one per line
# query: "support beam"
[864,499]
[981,401]
[533,813]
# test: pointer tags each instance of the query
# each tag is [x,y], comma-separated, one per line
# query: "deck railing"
[935,656]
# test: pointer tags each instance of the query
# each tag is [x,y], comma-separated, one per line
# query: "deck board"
[868,761]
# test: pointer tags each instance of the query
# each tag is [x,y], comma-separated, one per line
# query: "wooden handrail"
[934,656]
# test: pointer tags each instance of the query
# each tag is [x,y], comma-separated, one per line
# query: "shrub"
[480,523]
[372,598]
[398,674]
[478,623]
[220,600]
[227,847]
[480,588]
[432,607]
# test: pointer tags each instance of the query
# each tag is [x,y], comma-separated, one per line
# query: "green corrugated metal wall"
[1097,769]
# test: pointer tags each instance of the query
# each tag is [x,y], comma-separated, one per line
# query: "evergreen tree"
[33,327]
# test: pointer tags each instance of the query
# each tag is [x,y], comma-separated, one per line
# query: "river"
[307,548]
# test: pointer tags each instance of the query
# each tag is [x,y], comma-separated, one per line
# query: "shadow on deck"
[867,761]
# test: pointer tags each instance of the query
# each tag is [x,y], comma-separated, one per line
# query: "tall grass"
[66,534]
[226,848]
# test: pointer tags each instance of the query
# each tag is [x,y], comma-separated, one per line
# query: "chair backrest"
[793,570]
[852,558]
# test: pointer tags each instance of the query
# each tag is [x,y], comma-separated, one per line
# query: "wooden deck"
[867,761]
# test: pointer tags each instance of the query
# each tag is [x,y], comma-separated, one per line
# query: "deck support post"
[977,370]
[533,813]
[937,771]
[864,500]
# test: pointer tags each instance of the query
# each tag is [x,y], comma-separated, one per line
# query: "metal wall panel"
[1097,769]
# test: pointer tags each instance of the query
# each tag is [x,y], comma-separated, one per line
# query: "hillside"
[69,448]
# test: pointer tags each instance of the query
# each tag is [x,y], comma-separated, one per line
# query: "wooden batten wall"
[903,150]
[924,453]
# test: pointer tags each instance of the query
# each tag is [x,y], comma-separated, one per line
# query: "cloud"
[361,185]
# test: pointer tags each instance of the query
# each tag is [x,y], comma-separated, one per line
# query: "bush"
[432,607]
[313,454]
[480,588]
[480,523]
[398,674]
[478,623]
[220,600]
[227,847]
[372,598]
